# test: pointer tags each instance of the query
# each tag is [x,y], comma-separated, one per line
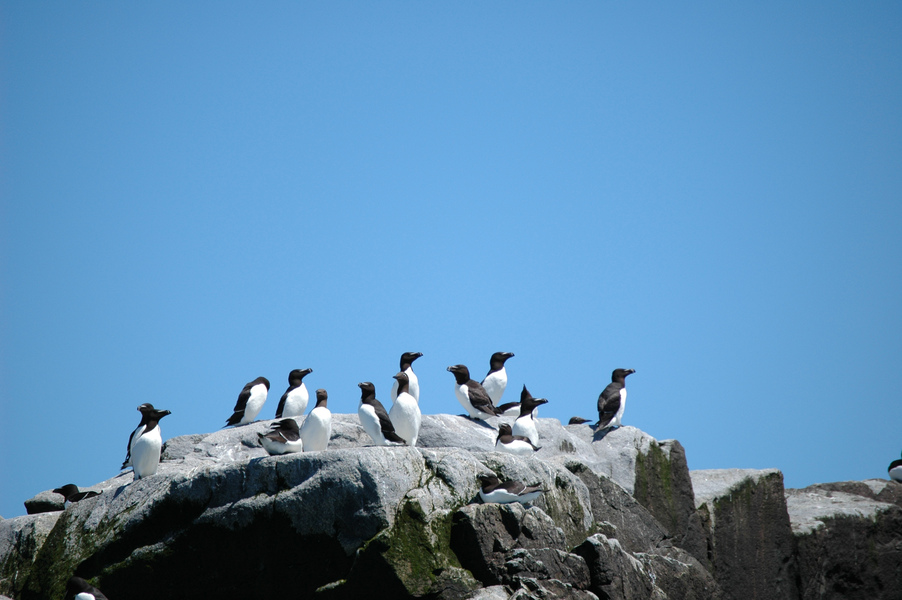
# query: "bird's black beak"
[541,401]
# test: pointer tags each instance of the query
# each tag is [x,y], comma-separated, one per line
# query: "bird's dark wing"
[128,450]
[388,429]
[506,406]
[608,403]
[480,399]
[82,495]
[281,405]
[514,487]
[240,405]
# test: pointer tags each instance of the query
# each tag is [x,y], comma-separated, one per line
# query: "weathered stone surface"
[749,539]
[47,501]
[848,546]
[882,490]
[20,540]
[655,473]
[511,545]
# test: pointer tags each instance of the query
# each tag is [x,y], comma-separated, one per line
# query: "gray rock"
[46,501]
[740,509]
[508,543]
[882,490]
[848,546]
[21,538]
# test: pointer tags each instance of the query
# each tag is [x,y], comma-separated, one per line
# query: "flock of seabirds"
[399,425]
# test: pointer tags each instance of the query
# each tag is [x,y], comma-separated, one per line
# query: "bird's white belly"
[526,426]
[371,425]
[517,447]
[615,422]
[495,384]
[146,453]
[316,430]
[405,416]
[296,402]
[254,403]
[896,473]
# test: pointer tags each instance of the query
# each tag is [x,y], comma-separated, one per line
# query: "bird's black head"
[260,380]
[67,490]
[367,390]
[499,358]
[487,480]
[156,415]
[76,585]
[504,429]
[620,374]
[461,373]
[403,382]
[146,408]
[577,421]
[321,398]
[408,357]
[297,376]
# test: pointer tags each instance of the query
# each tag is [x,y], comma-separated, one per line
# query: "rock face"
[223,519]
[848,538]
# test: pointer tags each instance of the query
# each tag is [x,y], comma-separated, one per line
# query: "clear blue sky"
[195,195]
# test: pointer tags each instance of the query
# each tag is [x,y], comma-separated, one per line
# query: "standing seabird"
[472,395]
[145,442]
[525,424]
[612,400]
[317,427]
[493,491]
[407,367]
[373,417]
[250,401]
[496,379]
[79,589]
[294,401]
[283,438]
[895,470]
[513,444]
[405,412]
[71,493]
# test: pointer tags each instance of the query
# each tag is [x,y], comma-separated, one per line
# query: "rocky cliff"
[621,517]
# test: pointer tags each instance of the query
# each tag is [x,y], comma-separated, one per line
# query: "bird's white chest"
[518,447]
[316,430]
[615,422]
[896,473]
[296,402]
[254,403]
[146,452]
[498,496]
[413,387]
[526,426]
[405,417]
[370,421]
[494,385]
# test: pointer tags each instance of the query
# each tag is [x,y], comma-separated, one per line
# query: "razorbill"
[294,401]
[612,399]
[407,367]
[493,491]
[405,411]
[496,379]
[283,438]
[250,401]
[373,417]
[513,444]
[525,424]
[79,589]
[145,442]
[71,494]
[895,470]
[472,395]
[577,421]
[317,427]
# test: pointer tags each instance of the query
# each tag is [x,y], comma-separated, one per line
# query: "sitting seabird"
[514,444]
[895,470]
[283,438]
[79,589]
[494,491]
[71,493]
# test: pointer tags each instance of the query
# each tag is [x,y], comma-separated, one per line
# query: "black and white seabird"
[317,427]
[283,438]
[577,421]
[496,379]
[494,491]
[71,493]
[374,418]
[407,368]
[525,424]
[250,401]
[612,399]
[513,444]
[294,401]
[895,470]
[79,589]
[472,395]
[145,442]
[405,412]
